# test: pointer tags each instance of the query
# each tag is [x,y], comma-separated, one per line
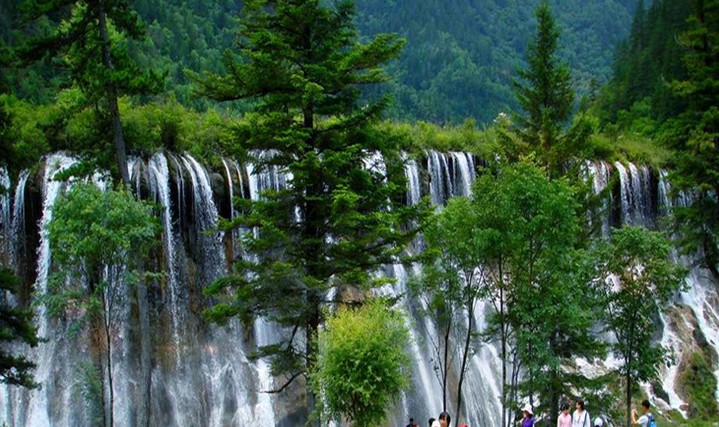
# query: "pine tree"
[91,38]
[339,217]
[695,134]
[545,94]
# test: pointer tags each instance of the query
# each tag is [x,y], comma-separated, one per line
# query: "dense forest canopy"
[458,62]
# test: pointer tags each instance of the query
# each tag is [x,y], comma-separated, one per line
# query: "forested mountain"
[461,55]
[646,64]
[459,59]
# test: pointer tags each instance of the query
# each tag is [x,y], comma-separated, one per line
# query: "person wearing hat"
[598,422]
[527,416]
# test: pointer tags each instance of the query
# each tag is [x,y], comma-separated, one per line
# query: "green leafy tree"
[641,279]
[452,282]
[91,38]
[339,217]
[362,363]
[100,241]
[16,328]
[527,233]
[695,134]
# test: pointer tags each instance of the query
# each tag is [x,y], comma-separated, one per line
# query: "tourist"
[527,416]
[565,418]
[646,419]
[444,419]
[411,423]
[599,422]
[581,417]
[431,422]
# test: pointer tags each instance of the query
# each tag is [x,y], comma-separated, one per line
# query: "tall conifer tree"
[91,38]
[339,218]
[545,94]
[695,133]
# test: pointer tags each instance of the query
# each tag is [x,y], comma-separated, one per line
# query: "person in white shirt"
[581,417]
[646,418]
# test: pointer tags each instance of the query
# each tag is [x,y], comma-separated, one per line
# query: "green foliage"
[644,66]
[91,40]
[460,55]
[90,388]
[515,243]
[340,216]
[701,385]
[171,126]
[99,240]
[452,281]
[643,279]
[546,98]
[418,137]
[16,329]
[362,363]
[22,135]
[694,134]
[531,226]
[458,63]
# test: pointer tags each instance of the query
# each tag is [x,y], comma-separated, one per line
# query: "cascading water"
[17,226]
[5,219]
[414,193]
[599,173]
[440,178]
[463,173]
[200,374]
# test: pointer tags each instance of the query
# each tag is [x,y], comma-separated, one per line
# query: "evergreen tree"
[16,327]
[695,134]
[339,218]
[645,64]
[91,38]
[545,95]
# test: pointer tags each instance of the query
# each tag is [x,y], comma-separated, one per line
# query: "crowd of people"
[580,417]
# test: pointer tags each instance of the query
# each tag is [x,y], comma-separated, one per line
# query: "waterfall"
[18,219]
[411,170]
[200,373]
[463,174]
[599,173]
[440,182]
[5,219]
[56,393]
[159,181]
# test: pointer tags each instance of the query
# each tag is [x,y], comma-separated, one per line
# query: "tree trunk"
[145,355]
[465,357]
[445,368]
[555,389]
[112,99]
[628,397]
[108,360]
[554,396]
[311,335]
